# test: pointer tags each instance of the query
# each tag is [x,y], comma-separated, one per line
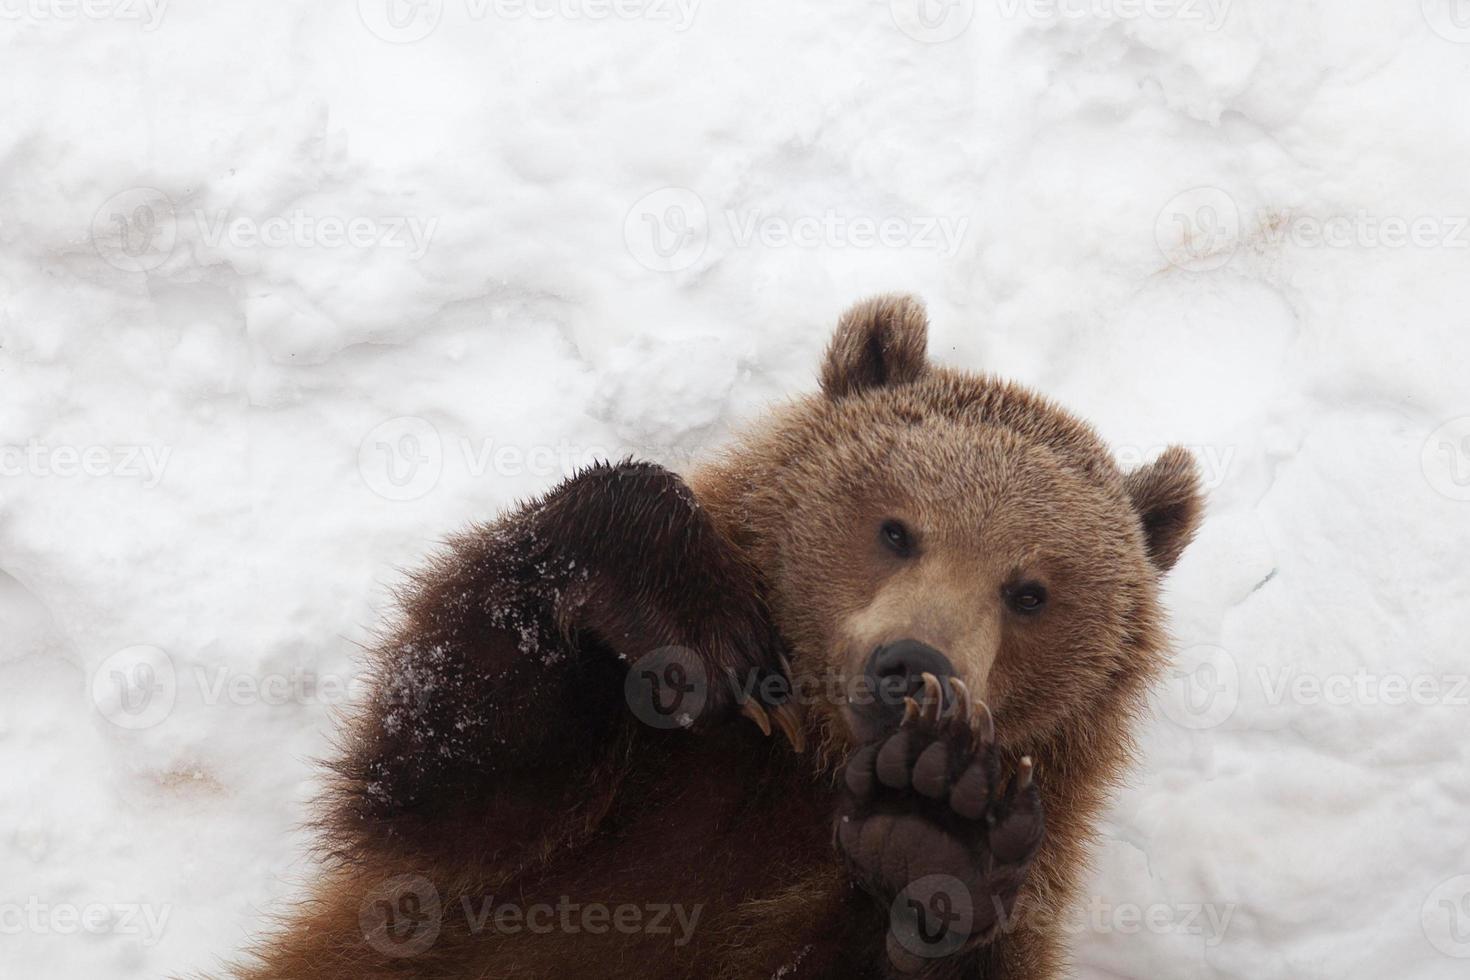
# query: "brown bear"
[938,582]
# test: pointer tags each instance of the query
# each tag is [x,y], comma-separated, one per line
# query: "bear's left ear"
[880,341]
[1167,495]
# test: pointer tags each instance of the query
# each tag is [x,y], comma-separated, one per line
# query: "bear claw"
[757,714]
[963,704]
[989,720]
[910,712]
[933,704]
[788,719]
[785,714]
[958,710]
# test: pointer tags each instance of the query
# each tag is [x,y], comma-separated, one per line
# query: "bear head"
[914,519]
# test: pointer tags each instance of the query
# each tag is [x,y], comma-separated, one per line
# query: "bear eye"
[896,538]
[1026,598]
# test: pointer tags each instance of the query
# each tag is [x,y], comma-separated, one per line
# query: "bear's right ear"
[880,341]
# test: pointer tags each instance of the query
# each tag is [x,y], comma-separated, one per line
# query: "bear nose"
[896,671]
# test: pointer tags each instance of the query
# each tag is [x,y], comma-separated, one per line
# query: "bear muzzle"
[895,674]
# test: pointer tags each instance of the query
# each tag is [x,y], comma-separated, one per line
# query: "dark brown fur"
[498,757]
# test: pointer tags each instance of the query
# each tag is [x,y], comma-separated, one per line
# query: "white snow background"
[288,291]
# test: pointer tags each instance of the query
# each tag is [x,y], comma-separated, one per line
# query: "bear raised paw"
[930,819]
[845,702]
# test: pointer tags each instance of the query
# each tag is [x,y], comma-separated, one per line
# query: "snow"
[289,291]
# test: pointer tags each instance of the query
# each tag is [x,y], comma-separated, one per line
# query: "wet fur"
[497,756]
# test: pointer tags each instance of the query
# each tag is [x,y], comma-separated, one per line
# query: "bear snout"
[895,671]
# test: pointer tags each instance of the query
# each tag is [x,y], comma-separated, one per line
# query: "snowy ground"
[288,290]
